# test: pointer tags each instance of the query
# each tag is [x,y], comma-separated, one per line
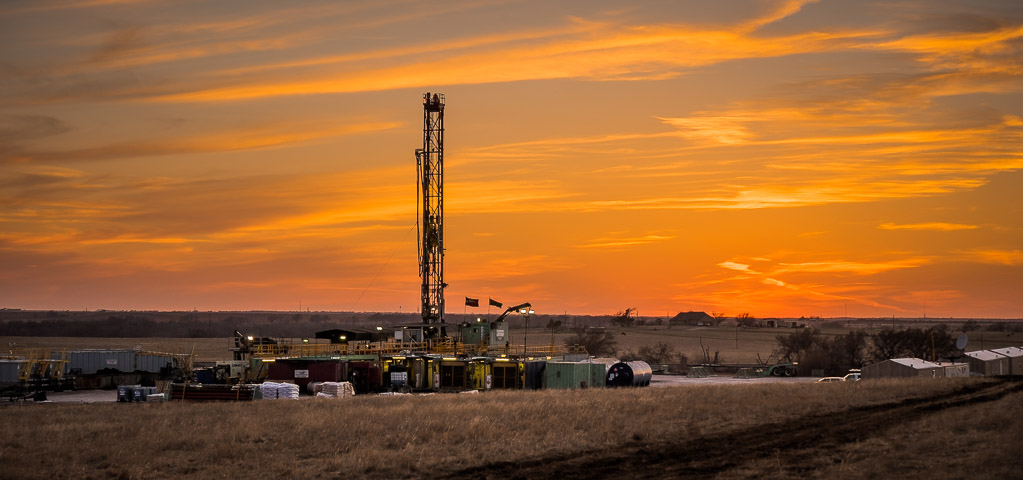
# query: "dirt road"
[795,445]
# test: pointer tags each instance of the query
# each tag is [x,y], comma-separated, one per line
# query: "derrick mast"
[430,165]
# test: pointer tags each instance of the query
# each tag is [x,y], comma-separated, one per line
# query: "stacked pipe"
[205,392]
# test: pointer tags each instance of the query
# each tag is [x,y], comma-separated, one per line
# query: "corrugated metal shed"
[9,370]
[903,367]
[988,363]
[1015,355]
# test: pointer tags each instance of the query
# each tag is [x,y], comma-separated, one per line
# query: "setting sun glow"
[782,158]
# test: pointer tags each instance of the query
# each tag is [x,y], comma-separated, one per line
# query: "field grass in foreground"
[439,435]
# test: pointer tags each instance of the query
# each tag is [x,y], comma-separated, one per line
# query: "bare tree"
[745,320]
[597,342]
[624,318]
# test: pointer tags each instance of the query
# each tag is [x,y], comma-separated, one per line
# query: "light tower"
[430,165]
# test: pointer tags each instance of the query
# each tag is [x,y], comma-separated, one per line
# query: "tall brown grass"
[398,436]
[976,441]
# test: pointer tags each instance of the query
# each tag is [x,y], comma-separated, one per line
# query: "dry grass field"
[946,428]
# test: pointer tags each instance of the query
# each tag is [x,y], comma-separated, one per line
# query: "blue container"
[126,393]
[204,375]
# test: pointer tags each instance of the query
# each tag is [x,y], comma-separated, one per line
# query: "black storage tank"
[629,374]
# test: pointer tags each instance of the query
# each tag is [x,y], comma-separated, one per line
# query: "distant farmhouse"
[691,319]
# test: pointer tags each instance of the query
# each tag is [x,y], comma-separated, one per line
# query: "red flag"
[472,302]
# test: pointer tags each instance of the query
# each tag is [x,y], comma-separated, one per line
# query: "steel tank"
[629,374]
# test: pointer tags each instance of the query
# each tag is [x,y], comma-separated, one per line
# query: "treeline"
[223,324]
[188,325]
[835,355]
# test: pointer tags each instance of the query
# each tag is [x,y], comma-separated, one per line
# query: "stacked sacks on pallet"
[268,390]
[288,390]
[337,389]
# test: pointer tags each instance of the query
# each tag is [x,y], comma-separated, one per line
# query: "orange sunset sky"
[781,158]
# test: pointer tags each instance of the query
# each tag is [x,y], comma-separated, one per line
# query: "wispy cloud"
[842,266]
[618,242]
[740,267]
[939,226]
[579,49]
[996,257]
[250,138]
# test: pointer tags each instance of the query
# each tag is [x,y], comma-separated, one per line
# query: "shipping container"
[568,375]
[366,376]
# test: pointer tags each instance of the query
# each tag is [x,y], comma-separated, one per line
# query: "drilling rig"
[430,166]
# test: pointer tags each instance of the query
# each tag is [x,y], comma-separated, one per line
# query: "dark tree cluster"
[938,341]
[813,351]
[662,353]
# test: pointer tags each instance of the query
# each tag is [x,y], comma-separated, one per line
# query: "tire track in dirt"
[706,456]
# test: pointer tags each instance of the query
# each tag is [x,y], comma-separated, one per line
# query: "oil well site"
[382,398]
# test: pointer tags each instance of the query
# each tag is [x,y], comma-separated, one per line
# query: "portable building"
[568,375]
[955,369]
[988,363]
[903,367]
[1015,355]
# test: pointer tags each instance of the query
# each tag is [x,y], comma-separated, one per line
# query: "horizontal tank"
[153,363]
[88,362]
[9,370]
[629,374]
